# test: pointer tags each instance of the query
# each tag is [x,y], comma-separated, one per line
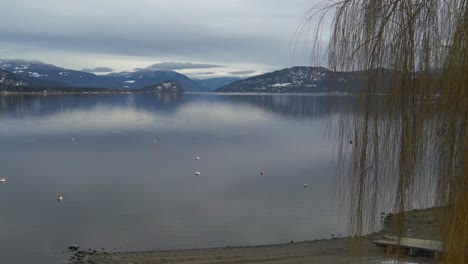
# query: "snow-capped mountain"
[10,80]
[146,77]
[299,79]
[41,74]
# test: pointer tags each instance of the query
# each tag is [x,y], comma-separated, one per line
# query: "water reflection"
[117,193]
[31,105]
[297,106]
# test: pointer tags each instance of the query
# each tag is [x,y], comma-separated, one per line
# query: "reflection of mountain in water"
[32,105]
[296,106]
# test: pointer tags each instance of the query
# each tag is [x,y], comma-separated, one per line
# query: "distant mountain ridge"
[218,82]
[8,79]
[39,74]
[144,77]
[300,79]
[21,75]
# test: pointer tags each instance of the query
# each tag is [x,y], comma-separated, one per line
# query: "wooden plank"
[412,243]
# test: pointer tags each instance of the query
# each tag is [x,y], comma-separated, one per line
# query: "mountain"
[39,74]
[9,80]
[298,79]
[218,82]
[164,87]
[22,75]
[146,77]
[47,75]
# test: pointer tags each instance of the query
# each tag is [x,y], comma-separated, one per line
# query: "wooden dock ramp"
[411,245]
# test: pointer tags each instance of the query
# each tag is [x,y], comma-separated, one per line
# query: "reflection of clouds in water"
[281,100]
[193,116]
[201,115]
[130,100]
[97,120]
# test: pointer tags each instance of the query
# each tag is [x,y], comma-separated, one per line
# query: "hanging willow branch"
[408,127]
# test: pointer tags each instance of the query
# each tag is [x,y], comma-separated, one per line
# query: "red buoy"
[350,142]
[262,172]
[156,151]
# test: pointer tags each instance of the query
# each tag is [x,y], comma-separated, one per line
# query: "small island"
[163,87]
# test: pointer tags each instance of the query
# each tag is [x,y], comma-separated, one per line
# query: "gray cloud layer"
[242,72]
[219,32]
[98,69]
[201,73]
[180,66]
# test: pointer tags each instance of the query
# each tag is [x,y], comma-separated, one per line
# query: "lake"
[122,190]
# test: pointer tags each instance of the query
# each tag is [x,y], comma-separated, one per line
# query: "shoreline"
[65,93]
[422,224]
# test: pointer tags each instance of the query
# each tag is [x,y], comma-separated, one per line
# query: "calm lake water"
[98,152]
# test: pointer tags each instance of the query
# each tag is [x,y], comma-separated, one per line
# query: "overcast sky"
[242,36]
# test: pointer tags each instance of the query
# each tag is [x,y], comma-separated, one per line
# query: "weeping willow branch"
[405,139]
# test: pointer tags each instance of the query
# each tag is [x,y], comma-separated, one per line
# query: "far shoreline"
[6,93]
[63,93]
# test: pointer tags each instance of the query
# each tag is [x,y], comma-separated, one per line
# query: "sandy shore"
[423,224]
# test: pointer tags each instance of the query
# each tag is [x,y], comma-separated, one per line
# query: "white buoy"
[73,139]
[305,185]
[59,198]
[197,173]
[154,140]
[2,180]
[197,158]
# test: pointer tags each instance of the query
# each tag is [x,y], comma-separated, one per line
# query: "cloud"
[244,33]
[242,72]
[180,66]
[98,69]
[200,73]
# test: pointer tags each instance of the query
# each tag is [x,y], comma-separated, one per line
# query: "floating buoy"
[262,172]
[350,142]
[73,139]
[154,140]
[197,158]
[197,173]
[59,198]
[2,180]
[156,151]
[305,185]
